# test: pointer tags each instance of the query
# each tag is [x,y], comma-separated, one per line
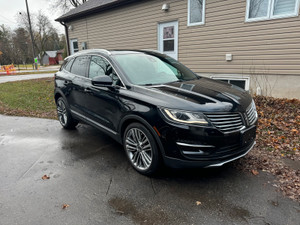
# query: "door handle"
[67,82]
[87,90]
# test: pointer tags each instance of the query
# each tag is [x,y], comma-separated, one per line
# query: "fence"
[8,69]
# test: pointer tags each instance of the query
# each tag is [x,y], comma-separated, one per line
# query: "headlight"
[185,117]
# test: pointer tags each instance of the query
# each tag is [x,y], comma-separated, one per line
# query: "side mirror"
[102,81]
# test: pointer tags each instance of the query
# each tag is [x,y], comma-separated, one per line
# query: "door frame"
[176,36]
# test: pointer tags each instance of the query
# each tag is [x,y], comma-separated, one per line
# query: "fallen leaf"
[255,172]
[198,203]
[45,177]
[295,131]
[65,206]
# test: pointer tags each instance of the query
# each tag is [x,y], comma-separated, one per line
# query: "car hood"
[202,94]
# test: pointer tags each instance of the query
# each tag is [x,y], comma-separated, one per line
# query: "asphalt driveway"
[89,172]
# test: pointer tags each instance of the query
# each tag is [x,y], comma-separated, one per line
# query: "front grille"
[251,114]
[226,122]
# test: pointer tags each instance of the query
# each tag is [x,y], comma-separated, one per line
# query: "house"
[52,57]
[254,44]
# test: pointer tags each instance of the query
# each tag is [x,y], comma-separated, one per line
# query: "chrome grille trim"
[251,113]
[226,122]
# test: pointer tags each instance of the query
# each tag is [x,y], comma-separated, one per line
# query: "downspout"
[67,36]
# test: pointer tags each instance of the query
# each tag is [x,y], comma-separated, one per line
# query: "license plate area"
[248,135]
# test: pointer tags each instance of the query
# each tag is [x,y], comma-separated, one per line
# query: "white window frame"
[203,15]
[233,77]
[270,15]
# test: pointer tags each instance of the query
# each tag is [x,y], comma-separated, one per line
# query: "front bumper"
[189,146]
[181,163]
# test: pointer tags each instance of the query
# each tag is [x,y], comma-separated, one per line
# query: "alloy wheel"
[62,112]
[139,149]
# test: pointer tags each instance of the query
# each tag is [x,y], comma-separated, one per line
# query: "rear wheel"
[141,149]
[64,116]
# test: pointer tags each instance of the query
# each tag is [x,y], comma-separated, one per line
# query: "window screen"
[258,8]
[271,8]
[284,7]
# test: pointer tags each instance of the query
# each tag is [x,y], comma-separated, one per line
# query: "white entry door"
[168,39]
[73,46]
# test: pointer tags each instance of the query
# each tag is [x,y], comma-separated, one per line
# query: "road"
[10,78]
[89,172]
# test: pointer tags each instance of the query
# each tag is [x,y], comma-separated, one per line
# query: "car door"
[103,103]
[78,84]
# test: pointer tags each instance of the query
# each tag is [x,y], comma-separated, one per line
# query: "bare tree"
[6,46]
[66,5]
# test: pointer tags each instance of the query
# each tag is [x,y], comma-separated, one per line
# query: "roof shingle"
[89,6]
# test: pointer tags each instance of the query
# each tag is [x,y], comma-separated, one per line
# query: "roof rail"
[95,50]
[152,50]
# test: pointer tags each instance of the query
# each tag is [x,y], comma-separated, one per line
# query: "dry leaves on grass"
[277,140]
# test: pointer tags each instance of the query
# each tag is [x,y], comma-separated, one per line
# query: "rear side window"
[69,65]
[80,65]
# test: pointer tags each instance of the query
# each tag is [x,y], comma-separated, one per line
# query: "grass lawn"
[28,98]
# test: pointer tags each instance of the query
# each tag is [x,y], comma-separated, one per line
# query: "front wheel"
[64,116]
[141,149]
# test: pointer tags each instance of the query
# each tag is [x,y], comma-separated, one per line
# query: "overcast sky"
[10,8]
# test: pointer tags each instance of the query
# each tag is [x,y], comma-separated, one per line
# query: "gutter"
[67,37]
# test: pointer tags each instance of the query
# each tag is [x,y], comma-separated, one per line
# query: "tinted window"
[99,67]
[69,65]
[79,66]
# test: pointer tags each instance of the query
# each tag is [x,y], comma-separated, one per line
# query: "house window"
[242,82]
[271,9]
[196,12]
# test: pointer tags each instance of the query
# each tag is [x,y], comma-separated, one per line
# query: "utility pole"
[31,35]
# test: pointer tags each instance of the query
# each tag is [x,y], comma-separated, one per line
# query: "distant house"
[52,57]
[254,44]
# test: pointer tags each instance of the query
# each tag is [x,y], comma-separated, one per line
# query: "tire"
[141,149]
[64,116]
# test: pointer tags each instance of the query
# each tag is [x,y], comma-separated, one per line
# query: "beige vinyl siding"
[263,47]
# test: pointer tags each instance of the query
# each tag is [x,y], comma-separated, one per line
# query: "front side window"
[79,66]
[101,67]
[98,67]
[196,12]
[144,69]
[269,9]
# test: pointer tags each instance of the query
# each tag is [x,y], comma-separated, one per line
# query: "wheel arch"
[135,118]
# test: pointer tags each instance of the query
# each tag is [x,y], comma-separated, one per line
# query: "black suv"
[156,107]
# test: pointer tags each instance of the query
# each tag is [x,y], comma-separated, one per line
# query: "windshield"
[145,69]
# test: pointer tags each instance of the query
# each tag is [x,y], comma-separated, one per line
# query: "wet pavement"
[89,172]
